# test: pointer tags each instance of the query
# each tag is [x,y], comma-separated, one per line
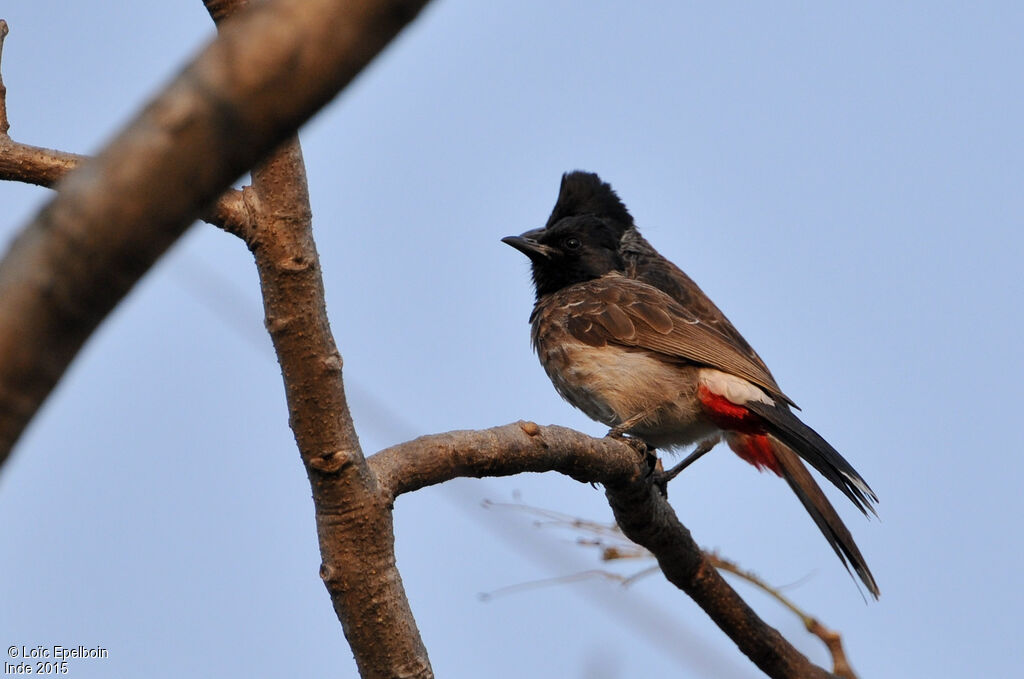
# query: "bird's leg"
[661,478]
[702,448]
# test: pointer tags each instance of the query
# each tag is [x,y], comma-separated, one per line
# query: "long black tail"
[824,515]
[808,444]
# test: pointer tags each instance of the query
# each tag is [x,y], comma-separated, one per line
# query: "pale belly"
[612,384]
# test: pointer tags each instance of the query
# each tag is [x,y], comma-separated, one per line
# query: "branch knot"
[332,462]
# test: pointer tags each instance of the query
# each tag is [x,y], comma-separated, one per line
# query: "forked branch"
[640,510]
[113,218]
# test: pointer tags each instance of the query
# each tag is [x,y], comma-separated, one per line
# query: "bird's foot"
[618,432]
[637,444]
[645,451]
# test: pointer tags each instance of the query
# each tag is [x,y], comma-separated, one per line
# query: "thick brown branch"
[353,518]
[641,511]
[266,73]
[647,519]
[502,451]
[34,164]
[353,524]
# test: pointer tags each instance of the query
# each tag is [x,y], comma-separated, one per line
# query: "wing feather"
[614,309]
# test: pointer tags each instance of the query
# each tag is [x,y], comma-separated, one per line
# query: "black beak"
[528,245]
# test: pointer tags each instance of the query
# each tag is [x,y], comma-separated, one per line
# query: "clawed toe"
[617,433]
[635,443]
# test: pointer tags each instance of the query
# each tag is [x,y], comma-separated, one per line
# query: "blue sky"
[843,181]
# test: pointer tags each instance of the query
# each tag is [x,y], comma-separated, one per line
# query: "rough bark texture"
[501,451]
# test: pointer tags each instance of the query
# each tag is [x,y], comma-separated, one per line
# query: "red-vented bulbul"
[629,339]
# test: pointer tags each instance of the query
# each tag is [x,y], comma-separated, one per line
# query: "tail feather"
[808,444]
[824,515]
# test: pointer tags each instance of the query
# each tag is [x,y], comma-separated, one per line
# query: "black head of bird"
[582,238]
[576,249]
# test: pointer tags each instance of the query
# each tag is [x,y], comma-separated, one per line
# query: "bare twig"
[833,640]
[45,167]
[5,125]
[615,547]
[548,582]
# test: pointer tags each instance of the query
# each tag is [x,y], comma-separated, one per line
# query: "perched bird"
[629,339]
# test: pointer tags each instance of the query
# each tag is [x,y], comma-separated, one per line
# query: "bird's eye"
[572,243]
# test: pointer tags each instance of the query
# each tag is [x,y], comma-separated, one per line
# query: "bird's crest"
[583,193]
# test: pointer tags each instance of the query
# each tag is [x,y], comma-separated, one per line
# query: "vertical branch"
[353,518]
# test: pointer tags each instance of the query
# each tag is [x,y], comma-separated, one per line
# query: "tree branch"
[46,167]
[648,520]
[113,218]
[353,520]
[116,215]
[5,124]
[501,451]
[355,529]
[833,640]
[640,510]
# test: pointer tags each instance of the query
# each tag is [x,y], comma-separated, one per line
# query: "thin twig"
[615,546]
[5,125]
[832,639]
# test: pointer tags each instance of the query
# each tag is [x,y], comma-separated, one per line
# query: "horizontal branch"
[34,164]
[45,167]
[640,509]
[503,451]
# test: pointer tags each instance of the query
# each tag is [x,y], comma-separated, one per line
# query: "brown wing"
[644,263]
[614,309]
